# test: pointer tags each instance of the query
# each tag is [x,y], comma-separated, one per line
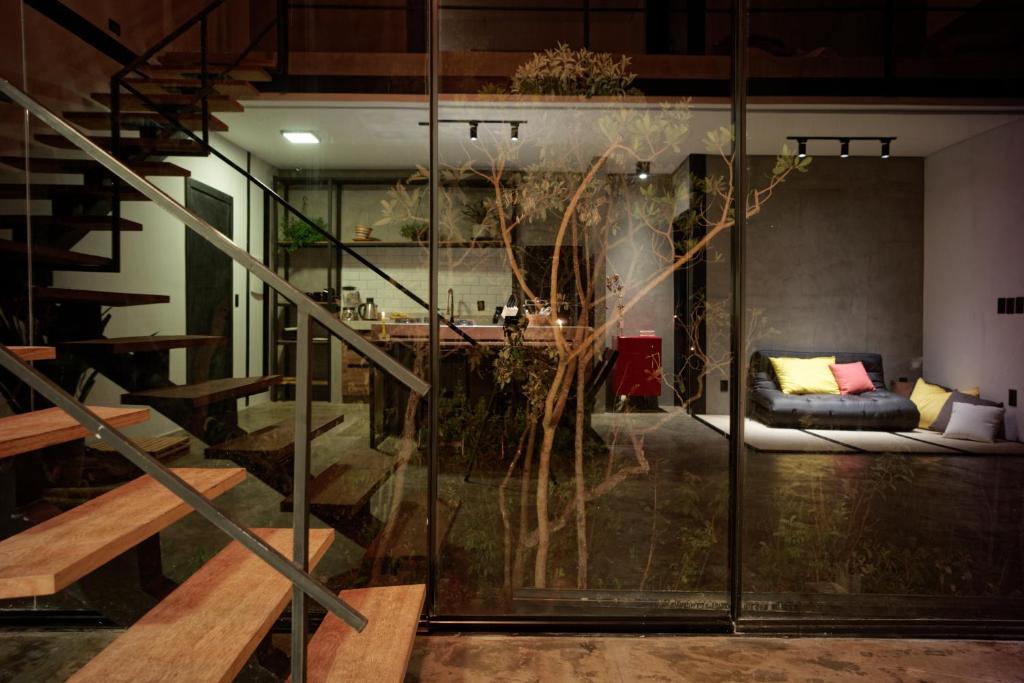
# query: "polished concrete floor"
[38,657]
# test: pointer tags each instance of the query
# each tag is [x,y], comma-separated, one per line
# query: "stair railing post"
[204,77]
[282,37]
[115,198]
[300,487]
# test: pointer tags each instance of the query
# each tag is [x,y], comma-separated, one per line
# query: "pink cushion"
[852,378]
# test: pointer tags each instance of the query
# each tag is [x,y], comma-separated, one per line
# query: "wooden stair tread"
[171,84]
[409,539]
[59,294]
[19,223]
[98,120]
[132,103]
[54,256]
[146,344]
[173,146]
[178,58]
[207,628]
[26,432]
[204,393]
[272,440]
[349,485]
[28,353]
[80,166]
[68,191]
[250,73]
[54,554]
[381,652]
[160,447]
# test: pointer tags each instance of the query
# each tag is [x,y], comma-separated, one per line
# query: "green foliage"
[416,231]
[564,71]
[299,233]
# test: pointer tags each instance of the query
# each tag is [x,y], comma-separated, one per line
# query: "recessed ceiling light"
[300,137]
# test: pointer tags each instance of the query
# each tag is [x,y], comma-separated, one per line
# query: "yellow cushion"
[806,375]
[973,391]
[929,399]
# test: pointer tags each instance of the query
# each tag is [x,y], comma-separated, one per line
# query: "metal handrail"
[293,570]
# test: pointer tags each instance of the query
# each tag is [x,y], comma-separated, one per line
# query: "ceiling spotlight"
[300,137]
[472,130]
[801,145]
[885,147]
[844,147]
[515,131]
[643,170]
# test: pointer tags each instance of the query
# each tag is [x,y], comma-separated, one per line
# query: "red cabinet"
[638,367]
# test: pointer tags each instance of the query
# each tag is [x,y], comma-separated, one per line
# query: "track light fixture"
[515,130]
[643,170]
[472,130]
[844,143]
[474,126]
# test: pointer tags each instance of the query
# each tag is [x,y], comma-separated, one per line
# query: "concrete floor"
[711,659]
[38,657]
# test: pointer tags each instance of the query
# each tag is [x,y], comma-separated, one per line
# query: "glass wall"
[577,231]
[884,253]
[577,476]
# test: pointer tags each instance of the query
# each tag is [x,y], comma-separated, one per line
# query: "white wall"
[974,253]
[153,262]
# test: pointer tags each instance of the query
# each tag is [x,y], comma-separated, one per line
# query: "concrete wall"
[974,253]
[834,263]
[153,262]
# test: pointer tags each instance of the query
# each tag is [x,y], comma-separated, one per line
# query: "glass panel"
[582,469]
[877,254]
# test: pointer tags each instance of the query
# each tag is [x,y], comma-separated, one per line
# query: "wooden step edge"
[381,652]
[52,555]
[100,121]
[85,223]
[27,353]
[249,443]
[218,390]
[89,296]
[52,256]
[149,344]
[26,432]
[207,628]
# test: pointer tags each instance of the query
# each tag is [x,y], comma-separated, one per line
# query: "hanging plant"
[299,233]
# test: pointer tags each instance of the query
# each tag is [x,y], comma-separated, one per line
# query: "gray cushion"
[942,421]
[974,423]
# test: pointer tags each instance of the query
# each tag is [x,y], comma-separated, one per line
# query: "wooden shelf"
[54,554]
[208,628]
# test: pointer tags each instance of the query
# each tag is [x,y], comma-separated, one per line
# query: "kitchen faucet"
[451,303]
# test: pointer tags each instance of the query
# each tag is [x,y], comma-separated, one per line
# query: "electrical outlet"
[481,305]
[1011,400]
[723,385]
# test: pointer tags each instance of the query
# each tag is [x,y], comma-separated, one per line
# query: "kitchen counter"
[489,335]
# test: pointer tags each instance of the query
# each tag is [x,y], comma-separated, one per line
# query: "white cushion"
[974,423]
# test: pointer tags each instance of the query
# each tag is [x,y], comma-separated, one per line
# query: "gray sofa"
[878,410]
